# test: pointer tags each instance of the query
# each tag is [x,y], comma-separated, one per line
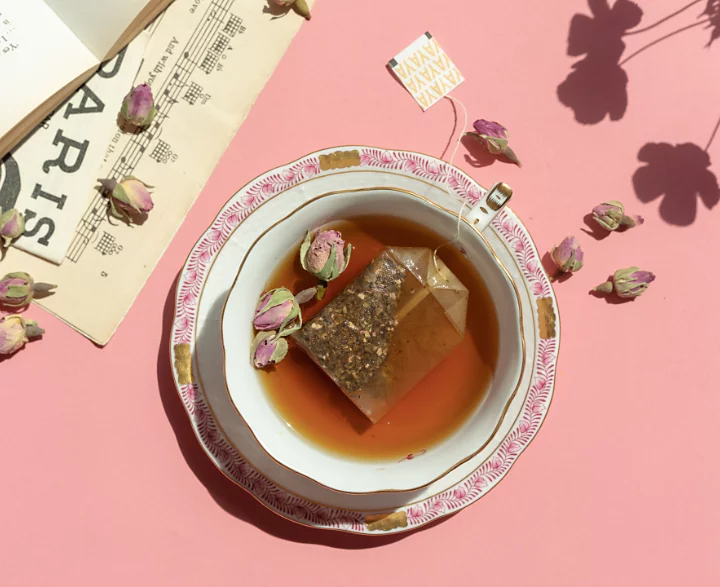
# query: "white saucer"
[202,289]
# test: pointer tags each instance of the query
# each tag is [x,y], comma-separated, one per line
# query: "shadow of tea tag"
[426,71]
[389,328]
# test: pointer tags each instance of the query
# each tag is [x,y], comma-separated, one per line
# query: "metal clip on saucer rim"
[493,200]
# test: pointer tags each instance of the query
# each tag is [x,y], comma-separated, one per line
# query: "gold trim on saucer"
[386,522]
[546,317]
[339,160]
[498,261]
[183,363]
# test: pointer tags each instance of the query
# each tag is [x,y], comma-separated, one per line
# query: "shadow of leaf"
[596,88]
[712,11]
[681,174]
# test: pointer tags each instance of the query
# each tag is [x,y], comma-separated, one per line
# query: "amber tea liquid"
[308,400]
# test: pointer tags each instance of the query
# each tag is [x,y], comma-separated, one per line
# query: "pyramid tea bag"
[389,328]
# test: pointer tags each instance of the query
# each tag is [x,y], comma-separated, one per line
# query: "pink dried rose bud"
[568,256]
[278,310]
[268,349]
[15,332]
[610,215]
[326,255]
[130,196]
[17,289]
[12,225]
[627,283]
[301,6]
[138,107]
[494,137]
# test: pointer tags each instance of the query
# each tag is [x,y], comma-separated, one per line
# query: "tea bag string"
[447,185]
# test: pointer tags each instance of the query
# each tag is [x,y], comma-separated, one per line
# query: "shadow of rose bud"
[300,6]
[494,137]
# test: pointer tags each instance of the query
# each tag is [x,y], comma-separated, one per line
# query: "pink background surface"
[104,484]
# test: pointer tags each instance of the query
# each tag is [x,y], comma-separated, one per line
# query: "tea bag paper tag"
[426,71]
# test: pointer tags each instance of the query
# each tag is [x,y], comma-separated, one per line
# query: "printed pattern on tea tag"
[426,71]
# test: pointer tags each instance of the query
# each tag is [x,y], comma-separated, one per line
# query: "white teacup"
[295,452]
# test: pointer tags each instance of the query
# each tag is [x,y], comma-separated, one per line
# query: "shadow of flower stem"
[712,136]
[662,20]
[655,42]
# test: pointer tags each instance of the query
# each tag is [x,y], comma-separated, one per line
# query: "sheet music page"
[98,23]
[39,55]
[207,62]
[49,175]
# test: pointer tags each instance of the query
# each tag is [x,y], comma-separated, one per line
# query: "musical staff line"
[198,46]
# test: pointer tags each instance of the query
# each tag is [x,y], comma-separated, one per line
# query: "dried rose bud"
[627,283]
[12,225]
[323,256]
[301,6]
[278,310]
[138,107]
[15,332]
[128,196]
[494,137]
[568,256]
[17,289]
[610,215]
[268,349]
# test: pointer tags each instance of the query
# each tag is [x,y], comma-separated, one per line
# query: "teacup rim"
[498,262]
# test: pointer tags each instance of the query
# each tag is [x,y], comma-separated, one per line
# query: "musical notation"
[233,26]
[163,153]
[107,245]
[202,51]
[193,92]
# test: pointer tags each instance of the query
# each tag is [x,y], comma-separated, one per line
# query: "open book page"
[50,175]
[207,62]
[39,55]
[100,23]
